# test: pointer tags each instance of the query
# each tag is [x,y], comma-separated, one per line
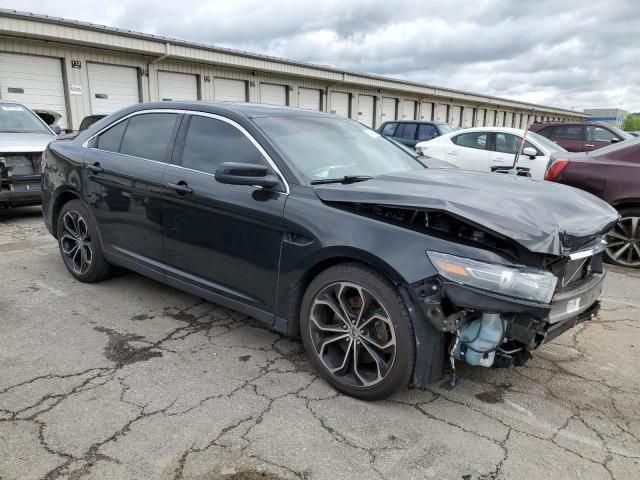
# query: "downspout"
[326,92]
[167,47]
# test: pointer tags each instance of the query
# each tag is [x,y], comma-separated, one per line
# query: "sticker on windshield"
[16,108]
[371,133]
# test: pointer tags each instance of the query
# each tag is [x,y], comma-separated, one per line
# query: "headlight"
[522,282]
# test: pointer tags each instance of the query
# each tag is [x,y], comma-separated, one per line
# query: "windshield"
[326,148]
[544,142]
[15,118]
[621,133]
[446,128]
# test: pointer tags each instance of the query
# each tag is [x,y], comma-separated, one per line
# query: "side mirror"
[235,173]
[615,140]
[529,152]
[56,128]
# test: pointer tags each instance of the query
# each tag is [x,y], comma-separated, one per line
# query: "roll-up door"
[454,115]
[365,110]
[426,111]
[508,119]
[499,119]
[309,98]
[177,86]
[34,81]
[491,118]
[408,110]
[441,113]
[480,117]
[273,94]
[112,87]
[517,118]
[467,117]
[388,109]
[227,90]
[340,103]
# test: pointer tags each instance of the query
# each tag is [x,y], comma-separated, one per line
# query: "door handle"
[453,152]
[181,188]
[589,145]
[95,168]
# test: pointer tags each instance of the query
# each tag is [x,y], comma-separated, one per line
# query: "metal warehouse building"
[78,69]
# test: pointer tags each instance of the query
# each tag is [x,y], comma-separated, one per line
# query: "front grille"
[570,271]
[18,164]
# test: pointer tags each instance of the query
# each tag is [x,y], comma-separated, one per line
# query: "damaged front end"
[496,314]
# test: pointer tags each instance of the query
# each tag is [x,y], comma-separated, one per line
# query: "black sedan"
[320,227]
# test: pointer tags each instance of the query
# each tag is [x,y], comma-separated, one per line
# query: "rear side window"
[148,136]
[545,132]
[568,132]
[112,138]
[409,131]
[426,131]
[389,129]
[477,140]
[210,142]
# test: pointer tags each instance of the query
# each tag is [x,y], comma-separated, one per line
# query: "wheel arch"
[62,197]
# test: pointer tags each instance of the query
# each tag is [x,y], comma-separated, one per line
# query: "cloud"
[548,51]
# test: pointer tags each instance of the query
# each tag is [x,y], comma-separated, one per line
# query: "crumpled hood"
[544,217]
[24,142]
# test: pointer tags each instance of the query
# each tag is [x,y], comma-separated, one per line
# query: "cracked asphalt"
[129,379]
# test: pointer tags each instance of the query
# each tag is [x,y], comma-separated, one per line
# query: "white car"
[490,149]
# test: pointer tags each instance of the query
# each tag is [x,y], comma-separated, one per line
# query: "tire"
[79,243]
[624,244]
[378,326]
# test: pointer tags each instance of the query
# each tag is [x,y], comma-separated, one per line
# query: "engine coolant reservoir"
[477,337]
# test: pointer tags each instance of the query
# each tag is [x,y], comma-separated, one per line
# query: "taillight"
[555,169]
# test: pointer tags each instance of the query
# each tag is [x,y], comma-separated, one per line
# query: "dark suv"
[580,136]
[411,133]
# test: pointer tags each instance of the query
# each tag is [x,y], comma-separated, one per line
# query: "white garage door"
[454,115]
[517,118]
[467,117]
[177,86]
[426,111]
[499,119]
[339,103]
[525,120]
[112,87]
[508,119]
[273,94]
[227,90]
[441,113]
[365,110]
[491,118]
[34,81]
[480,117]
[309,98]
[408,110]
[388,109]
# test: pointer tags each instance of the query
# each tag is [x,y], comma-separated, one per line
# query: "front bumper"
[20,198]
[569,304]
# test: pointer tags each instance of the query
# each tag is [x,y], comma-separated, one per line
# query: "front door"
[123,169]
[598,137]
[223,240]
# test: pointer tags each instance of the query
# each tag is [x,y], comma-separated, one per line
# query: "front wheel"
[623,241]
[357,331]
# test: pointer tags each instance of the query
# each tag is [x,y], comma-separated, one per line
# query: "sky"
[559,53]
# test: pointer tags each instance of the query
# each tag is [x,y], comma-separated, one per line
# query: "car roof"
[515,131]
[246,109]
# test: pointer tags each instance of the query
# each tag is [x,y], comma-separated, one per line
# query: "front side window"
[568,132]
[389,129]
[477,140]
[507,143]
[323,148]
[210,142]
[426,131]
[599,134]
[148,136]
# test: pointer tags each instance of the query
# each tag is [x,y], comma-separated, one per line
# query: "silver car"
[23,138]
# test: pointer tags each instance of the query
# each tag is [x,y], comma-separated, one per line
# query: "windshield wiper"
[345,179]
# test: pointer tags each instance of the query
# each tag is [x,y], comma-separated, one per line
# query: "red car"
[613,174]
[580,136]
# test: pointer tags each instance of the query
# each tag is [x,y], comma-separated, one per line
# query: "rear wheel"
[623,241]
[357,331]
[79,244]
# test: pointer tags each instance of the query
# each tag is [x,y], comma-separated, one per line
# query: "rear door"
[571,137]
[221,241]
[469,150]
[123,169]
[406,134]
